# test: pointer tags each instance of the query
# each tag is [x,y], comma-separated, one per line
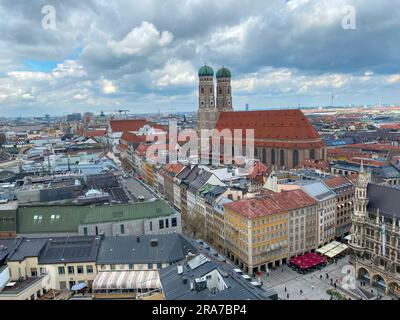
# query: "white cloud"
[394,78]
[140,40]
[174,73]
[108,87]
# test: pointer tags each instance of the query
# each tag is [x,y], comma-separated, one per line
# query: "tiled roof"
[336,181]
[273,127]
[271,203]
[174,168]
[95,133]
[259,170]
[142,149]
[131,137]
[374,147]
[127,125]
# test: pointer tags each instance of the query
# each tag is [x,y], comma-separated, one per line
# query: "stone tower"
[360,211]
[207,115]
[224,90]
[360,198]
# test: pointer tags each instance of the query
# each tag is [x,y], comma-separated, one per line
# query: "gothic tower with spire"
[224,90]
[207,114]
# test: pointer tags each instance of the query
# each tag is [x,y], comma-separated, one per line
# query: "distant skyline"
[144,55]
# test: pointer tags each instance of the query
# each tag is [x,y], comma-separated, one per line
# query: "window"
[71,269]
[264,156]
[173,222]
[63,285]
[97,231]
[312,154]
[89,269]
[166,223]
[122,228]
[150,266]
[295,158]
[85,231]
[131,266]
[112,266]
[151,225]
[79,269]
[161,224]
[273,156]
[282,156]
[61,270]
[34,272]
[159,266]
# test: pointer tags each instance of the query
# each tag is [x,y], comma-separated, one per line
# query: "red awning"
[308,260]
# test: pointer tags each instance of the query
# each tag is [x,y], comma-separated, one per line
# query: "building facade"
[375,243]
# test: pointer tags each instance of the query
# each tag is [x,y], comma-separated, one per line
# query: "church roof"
[273,128]
[206,71]
[223,73]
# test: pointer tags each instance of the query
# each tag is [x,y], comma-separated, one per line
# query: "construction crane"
[119,111]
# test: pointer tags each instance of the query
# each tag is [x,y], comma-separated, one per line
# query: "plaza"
[314,285]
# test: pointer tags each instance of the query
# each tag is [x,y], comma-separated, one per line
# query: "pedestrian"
[285,289]
[287,295]
[331,281]
[327,276]
[320,276]
[335,285]
[312,287]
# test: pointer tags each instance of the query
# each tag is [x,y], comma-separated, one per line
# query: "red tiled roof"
[336,181]
[393,126]
[174,168]
[314,164]
[270,124]
[142,149]
[374,147]
[127,125]
[259,170]
[131,137]
[271,203]
[95,133]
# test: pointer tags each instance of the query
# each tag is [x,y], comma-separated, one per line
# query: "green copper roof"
[70,217]
[223,73]
[206,71]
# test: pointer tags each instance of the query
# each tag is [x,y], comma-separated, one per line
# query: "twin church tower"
[208,109]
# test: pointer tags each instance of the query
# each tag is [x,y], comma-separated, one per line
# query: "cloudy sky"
[144,55]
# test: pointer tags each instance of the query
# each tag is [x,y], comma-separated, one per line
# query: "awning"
[332,249]
[78,286]
[126,280]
